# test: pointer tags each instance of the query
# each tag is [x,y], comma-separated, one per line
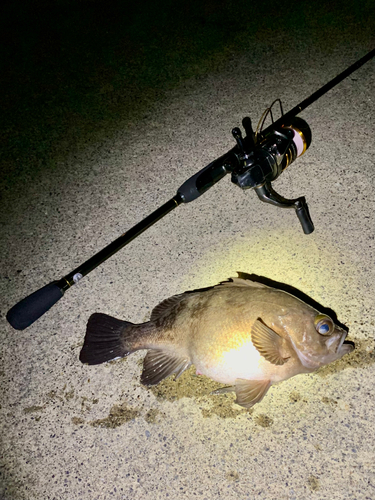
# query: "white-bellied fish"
[240,332]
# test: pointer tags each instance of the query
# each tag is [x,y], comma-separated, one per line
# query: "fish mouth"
[348,345]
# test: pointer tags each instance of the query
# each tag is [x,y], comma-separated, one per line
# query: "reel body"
[263,156]
[264,160]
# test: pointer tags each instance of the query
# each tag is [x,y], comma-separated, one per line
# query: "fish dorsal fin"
[167,308]
[268,343]
[243,282]
[250,392]
[159,364]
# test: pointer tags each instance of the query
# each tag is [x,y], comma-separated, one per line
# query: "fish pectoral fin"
[159,364]
[268,343]
[250,392]
[223,390]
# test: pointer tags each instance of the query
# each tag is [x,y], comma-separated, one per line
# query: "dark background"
[74,69]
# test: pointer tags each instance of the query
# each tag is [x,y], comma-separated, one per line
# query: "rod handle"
[204,179]
[32,307]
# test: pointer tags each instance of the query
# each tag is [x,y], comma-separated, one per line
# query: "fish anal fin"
[159,364]
[223,390]
[250,392]
[268,343]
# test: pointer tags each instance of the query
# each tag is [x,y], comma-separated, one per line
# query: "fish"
[241,333]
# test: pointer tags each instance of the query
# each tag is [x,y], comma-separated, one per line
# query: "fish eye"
[323,324]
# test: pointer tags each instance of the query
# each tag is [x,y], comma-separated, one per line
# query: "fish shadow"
[296,293]
[286,288]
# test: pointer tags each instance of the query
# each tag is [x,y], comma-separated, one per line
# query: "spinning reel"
[257,160]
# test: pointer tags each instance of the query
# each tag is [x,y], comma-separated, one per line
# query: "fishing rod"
[255,162]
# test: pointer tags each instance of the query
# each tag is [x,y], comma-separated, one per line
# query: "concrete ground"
[106,111]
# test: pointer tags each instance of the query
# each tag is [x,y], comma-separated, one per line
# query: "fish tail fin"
[107,338]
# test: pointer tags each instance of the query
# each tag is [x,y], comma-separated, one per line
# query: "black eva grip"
[203,180]
[34,306]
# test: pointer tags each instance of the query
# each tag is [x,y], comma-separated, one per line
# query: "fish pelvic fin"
[250,392]
[268,343]
[159,364]
[105,339]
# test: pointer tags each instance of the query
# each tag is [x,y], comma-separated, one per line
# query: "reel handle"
[267,194]
[303,214]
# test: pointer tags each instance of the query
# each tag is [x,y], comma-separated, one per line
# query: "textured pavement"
[107,110]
